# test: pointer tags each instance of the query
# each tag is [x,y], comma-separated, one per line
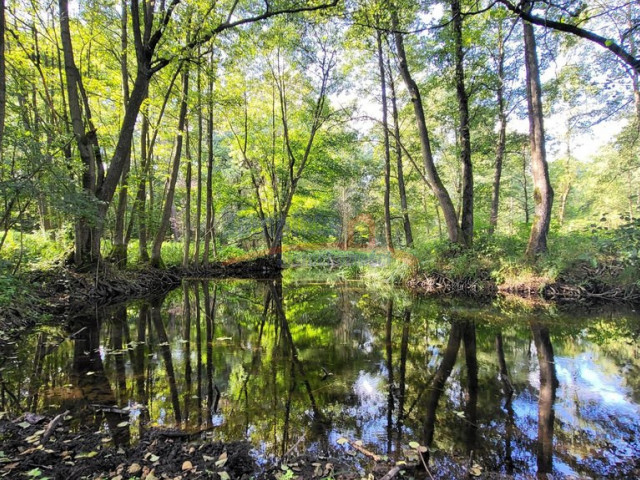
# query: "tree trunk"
[87,244]
[408,234]
[198,235]
[502,137]
[187,207]
[449,211]
[120,241]
[387,153]
[466,217]
[208,227]
[156,250]
[3,79]
[543,193]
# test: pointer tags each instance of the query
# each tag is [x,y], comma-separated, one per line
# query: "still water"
[290,365]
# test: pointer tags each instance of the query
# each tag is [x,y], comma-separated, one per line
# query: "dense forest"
[189,132]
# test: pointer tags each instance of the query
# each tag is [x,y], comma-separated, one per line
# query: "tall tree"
[435,182]
[543,192]
[466,217]
[387,151]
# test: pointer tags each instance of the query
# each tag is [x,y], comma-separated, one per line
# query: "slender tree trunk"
[3,79]
[502,137]
[387,152]
[525,187]
[408,234]
[87,239]
[466,218]
[156,250]
[449,211]
[208,228]
[120,241]
[187,207]
[543,192]
[198,235]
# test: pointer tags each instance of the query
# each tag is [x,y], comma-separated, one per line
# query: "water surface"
[519,389]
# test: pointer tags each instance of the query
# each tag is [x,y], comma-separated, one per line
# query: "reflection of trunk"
[502,364]
[198,352]
[440,378]
[88,374]
[209,317]
[471,408]
[138,364]
[34,383]
[404,349]
[186,337]
[548,385]
[389,349]
[319,425]
[118,322]
[165,351]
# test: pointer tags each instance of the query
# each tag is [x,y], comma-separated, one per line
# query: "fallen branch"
[392,473]
[53,424]
[368,453]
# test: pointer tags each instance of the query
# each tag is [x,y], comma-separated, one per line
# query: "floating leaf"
[123,424]
[153,458]
[475,470]
[222,459]
[342,441]
[414,445]
[224,476]
[24,424]
[358,443]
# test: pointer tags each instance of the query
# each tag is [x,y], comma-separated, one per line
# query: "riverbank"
[61,292]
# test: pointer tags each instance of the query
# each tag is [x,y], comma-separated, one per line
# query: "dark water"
[519,389]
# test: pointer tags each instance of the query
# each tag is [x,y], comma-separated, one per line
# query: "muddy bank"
[587,291]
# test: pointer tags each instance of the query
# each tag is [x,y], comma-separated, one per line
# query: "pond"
[295,366]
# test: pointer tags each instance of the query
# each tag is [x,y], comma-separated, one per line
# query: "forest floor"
[39,447]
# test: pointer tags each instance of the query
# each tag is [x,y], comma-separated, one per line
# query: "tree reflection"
[548,386]
[91,380]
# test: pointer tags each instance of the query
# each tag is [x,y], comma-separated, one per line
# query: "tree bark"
[406,223]
[209,216]
[387,152]
[449,211]
[156,250]
[466,217]
[187,207]
[198,235]
[543,193]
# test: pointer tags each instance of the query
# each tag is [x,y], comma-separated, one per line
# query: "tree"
[543,192]
[150,25]
[435,183]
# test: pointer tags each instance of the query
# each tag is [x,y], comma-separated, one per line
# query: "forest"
[468,136]
[291,239]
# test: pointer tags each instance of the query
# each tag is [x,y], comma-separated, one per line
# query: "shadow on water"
[294,367]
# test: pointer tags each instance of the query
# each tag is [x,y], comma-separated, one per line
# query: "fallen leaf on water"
[122,424]
[342,441]
[224,476]
[222,459]
[475,470]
